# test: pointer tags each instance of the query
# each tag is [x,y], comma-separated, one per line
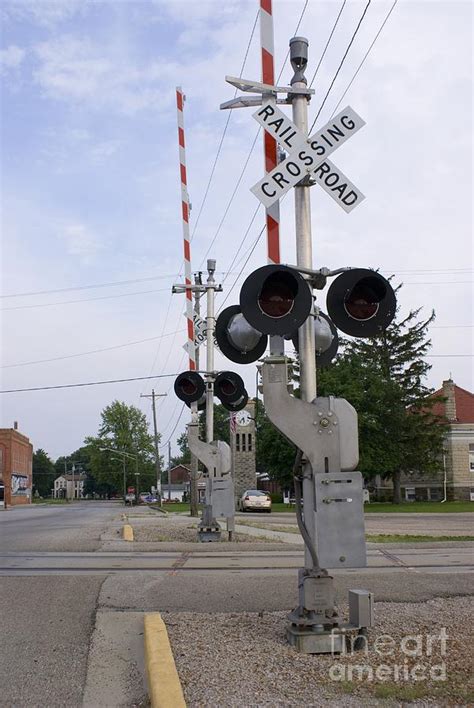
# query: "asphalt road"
[422,524]
[69,527]
[72,596]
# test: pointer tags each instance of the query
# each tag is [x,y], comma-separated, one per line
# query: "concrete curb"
[158,510]
[164,686]
[127,532]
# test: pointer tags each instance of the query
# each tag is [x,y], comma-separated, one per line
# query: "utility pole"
[193,485]
[169,470]
[210,325]
[155,430]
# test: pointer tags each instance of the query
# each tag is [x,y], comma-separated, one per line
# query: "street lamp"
[125,454]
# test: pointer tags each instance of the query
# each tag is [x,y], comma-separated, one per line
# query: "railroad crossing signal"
[308,156]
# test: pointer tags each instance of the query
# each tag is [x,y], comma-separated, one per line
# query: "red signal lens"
[187,387]
[363,301]
[227,387]
[277,296]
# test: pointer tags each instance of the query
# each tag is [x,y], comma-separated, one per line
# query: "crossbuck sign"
[308,156]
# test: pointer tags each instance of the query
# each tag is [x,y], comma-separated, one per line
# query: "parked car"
[255,500]
[146,498]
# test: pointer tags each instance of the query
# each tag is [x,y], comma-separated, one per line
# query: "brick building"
[456,467]
[458,409]
[16,464]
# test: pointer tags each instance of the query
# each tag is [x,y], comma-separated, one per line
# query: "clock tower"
[242,443]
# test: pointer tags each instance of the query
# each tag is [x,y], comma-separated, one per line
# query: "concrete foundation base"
[309,642]
[208,535]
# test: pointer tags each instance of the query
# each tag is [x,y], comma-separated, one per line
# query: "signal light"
[228,386]
[237,339]
[189,387]
[230,389]
[201,403]
[361,302]
[237,405]
[326,340]
[275,299]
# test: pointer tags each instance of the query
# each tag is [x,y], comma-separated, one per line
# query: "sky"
[90,193]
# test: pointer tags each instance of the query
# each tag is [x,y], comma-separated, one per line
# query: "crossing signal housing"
[326,340]
[237,339]
[230,389]
[361,302]
[189,387]
[275,299]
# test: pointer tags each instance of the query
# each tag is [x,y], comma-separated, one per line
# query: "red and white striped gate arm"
[186,241]
[270,145]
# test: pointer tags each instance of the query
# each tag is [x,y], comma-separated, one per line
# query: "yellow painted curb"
[127,533]
[164,686]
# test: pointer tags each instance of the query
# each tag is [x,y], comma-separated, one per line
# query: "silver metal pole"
[304,258]
[210,324]
[193,483]
[169,471]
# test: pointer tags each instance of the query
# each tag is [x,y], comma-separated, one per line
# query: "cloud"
[11,58]
[75,149]
[80,241]
[46,13]
[81,71]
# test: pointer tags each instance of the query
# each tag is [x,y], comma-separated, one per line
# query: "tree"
[383,377]
[125,429]
[221,423]
[184,458]
[275,454]
[44,473]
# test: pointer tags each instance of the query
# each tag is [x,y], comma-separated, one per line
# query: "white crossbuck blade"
[308,156]
[200,332]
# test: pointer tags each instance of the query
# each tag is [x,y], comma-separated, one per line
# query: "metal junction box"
[361,608]
[339,518]
[222,496]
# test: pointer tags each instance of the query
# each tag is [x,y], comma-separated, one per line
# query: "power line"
[341,63]
[89,287]
[92,351]
[328,42]
[441,356]
[246,261]
[87,299]
[229,203]
[241,245]
[208,184]
[239,179]
[89,383]
[224,131]
[364,58]
[176,425]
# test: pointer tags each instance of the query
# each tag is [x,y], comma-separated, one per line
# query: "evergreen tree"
[275,454]
[384,379]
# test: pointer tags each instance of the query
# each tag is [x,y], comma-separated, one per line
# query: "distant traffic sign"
[307,155]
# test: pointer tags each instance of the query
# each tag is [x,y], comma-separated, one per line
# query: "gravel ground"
[180,531]
[242,659]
